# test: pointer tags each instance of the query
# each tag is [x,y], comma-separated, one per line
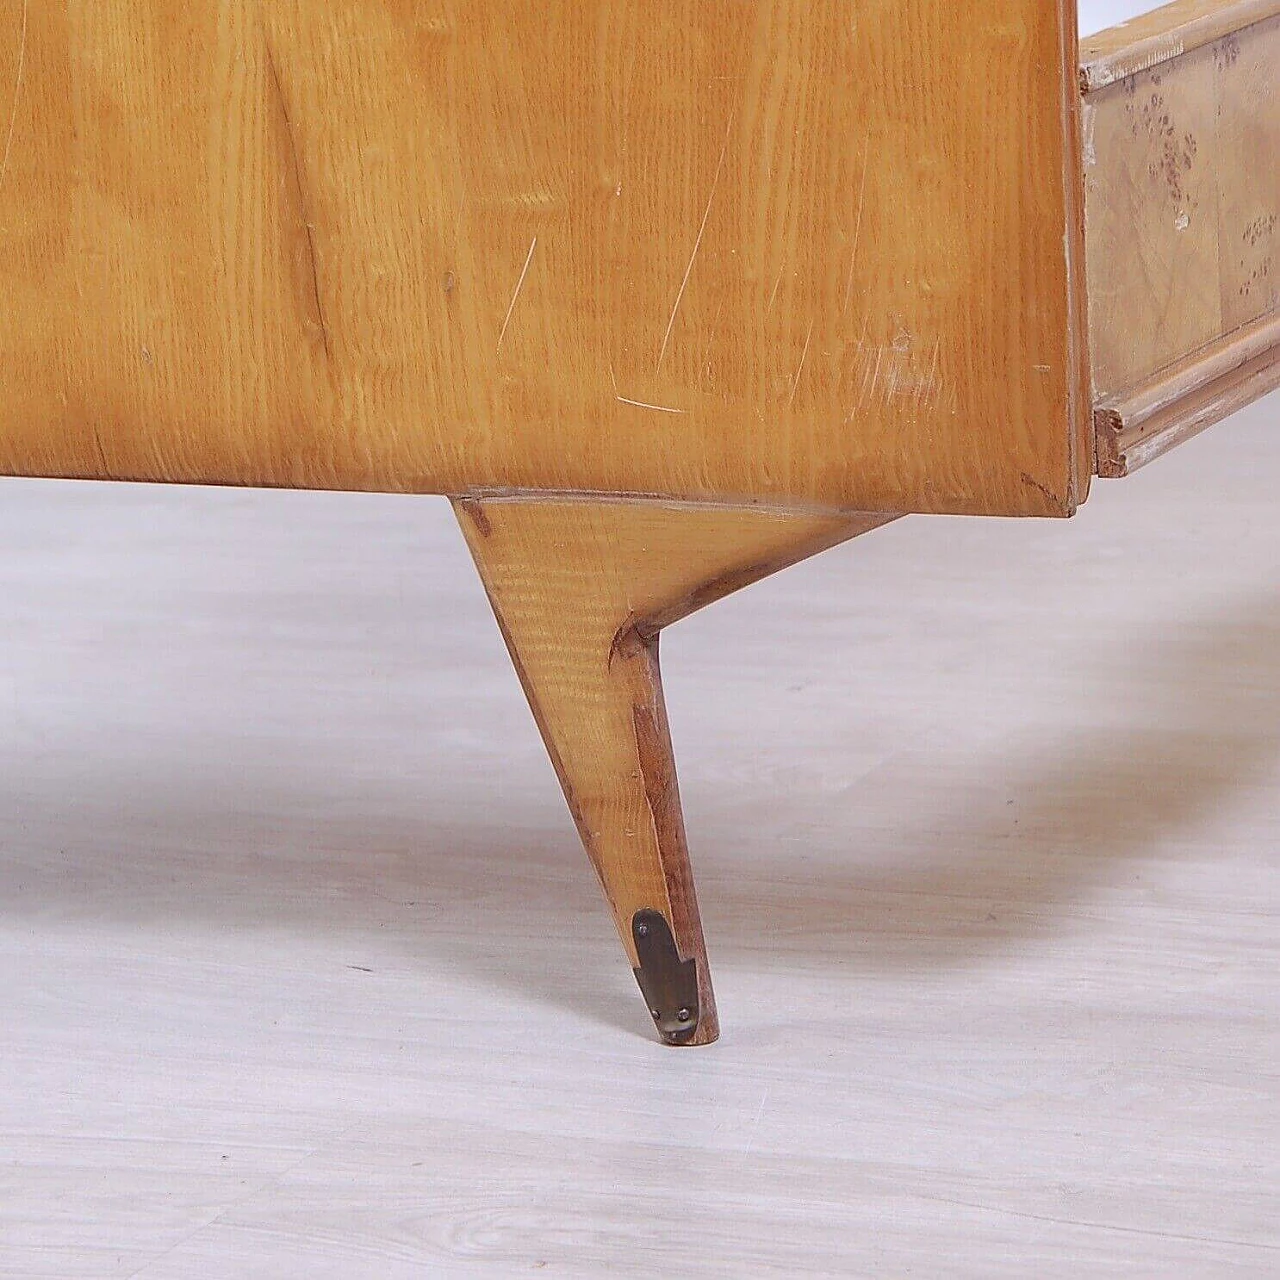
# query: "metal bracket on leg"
[669,984]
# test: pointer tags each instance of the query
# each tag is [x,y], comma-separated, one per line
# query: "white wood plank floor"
[303,972]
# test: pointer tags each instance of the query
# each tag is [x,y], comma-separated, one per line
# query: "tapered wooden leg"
[581,588]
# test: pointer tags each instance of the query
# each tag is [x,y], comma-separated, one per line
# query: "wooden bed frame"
[663,296]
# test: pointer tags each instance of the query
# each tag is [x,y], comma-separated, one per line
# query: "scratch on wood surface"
[862,386]
[795,382]
[928,389]
[875,377]
[300,191]
[102,453]
[697,244]
[903,378]
[637,404]
[857,228]
[640,404]
[773,297]
[502,333]
[17,93]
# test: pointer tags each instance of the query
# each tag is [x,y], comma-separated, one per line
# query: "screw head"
[683,1015]
[642,931]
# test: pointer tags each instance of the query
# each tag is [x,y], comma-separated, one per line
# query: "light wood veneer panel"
[1183,206]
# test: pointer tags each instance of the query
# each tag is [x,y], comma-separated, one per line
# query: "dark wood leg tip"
[677,991]
[581,590]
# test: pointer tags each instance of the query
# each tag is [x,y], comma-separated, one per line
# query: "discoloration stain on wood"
[1052,497]
[1089,118]
[1100,75]
[1227,53]
[476,513]
[1256,257]
[631,639]
[896,373]
[300,195]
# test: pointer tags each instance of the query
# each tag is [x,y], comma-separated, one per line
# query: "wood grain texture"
[581,590]
[1182,197]
[1162,34]
[778,250]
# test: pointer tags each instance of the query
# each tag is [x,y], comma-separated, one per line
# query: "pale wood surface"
[1182,200]
[710,250]
[1149,36]
[1138,427]
[581,590]
[986,824]
[1129,451]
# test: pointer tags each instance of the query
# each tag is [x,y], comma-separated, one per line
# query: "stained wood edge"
[479,496]
[1133,429]
[581,587]
[1079,357]
[1115,54]
[656,758]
